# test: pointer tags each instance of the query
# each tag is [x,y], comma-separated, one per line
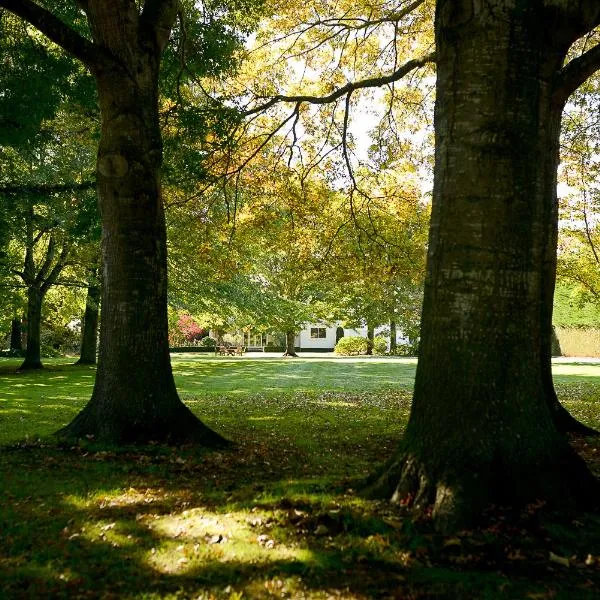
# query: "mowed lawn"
[39,402]
[277,515]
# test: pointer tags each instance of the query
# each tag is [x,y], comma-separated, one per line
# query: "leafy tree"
[502,84]
[49,216]
[493,244]
[122,44]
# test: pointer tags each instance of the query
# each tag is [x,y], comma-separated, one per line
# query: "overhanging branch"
[56,30]
[576,72]
[371,82]
[47,189]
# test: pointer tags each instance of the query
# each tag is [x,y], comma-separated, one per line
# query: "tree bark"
[134,398]
[16,338]
[370,339]
[393,335]
[89,326]
[33,352]
[290,343]
[480,431]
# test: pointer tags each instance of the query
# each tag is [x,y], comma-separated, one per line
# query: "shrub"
[379,345]
[58,340]
[351,346]
[208,342]
[189,329]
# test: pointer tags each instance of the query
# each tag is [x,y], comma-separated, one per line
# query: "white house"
[319,336]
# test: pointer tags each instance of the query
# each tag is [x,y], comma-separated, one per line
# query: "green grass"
[278,516]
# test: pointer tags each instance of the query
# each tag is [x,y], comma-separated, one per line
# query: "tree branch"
[47,189]
[576,72]
[45,268]
[56,30]
[58,267]
[157,20]
[403,70]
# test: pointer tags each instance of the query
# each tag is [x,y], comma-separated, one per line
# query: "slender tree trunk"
[290,343]
[480,431]
[89,327]
[393,336]
[33,356]
[370,339]
[16,339]
[134,398]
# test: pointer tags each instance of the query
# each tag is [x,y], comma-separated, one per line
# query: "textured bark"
[33,353]
[290,345]
[480,431]
[89,326]
[134,398]
[16,338]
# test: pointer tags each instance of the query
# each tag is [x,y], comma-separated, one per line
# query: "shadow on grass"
[85,523]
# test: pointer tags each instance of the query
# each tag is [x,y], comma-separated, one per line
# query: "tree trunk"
[290,343]
[480,431]
[134,398]
[370,339]
[33,354]
[89,326]
[16,339]
[563,420]
[393,336]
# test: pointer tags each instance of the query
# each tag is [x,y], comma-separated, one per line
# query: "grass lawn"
[278,515]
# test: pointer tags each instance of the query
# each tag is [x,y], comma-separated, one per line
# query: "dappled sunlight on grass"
[277,515]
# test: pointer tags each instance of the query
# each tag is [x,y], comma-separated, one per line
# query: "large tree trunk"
[89,326]
[290,343]
[134,398]
[16,338]
[33,354]
[480,431]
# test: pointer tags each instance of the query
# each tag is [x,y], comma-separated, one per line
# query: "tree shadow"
[90,523]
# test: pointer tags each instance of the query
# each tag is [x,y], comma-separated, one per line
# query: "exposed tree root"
[30,365]
[85,363]
[176,426]
[457,496]
[565,422]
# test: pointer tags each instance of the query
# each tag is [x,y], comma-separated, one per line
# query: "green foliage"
[572,308]
[35,77]
[208,342]
[379,344]
[57,340]
[351,346]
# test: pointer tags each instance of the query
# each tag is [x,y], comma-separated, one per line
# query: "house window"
[318,332]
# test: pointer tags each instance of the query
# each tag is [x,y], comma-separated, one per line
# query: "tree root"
[174,427]
[457,496]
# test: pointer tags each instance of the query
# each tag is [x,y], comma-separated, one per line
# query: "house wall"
[303,340]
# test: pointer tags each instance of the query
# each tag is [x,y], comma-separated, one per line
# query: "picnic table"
[230,350]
